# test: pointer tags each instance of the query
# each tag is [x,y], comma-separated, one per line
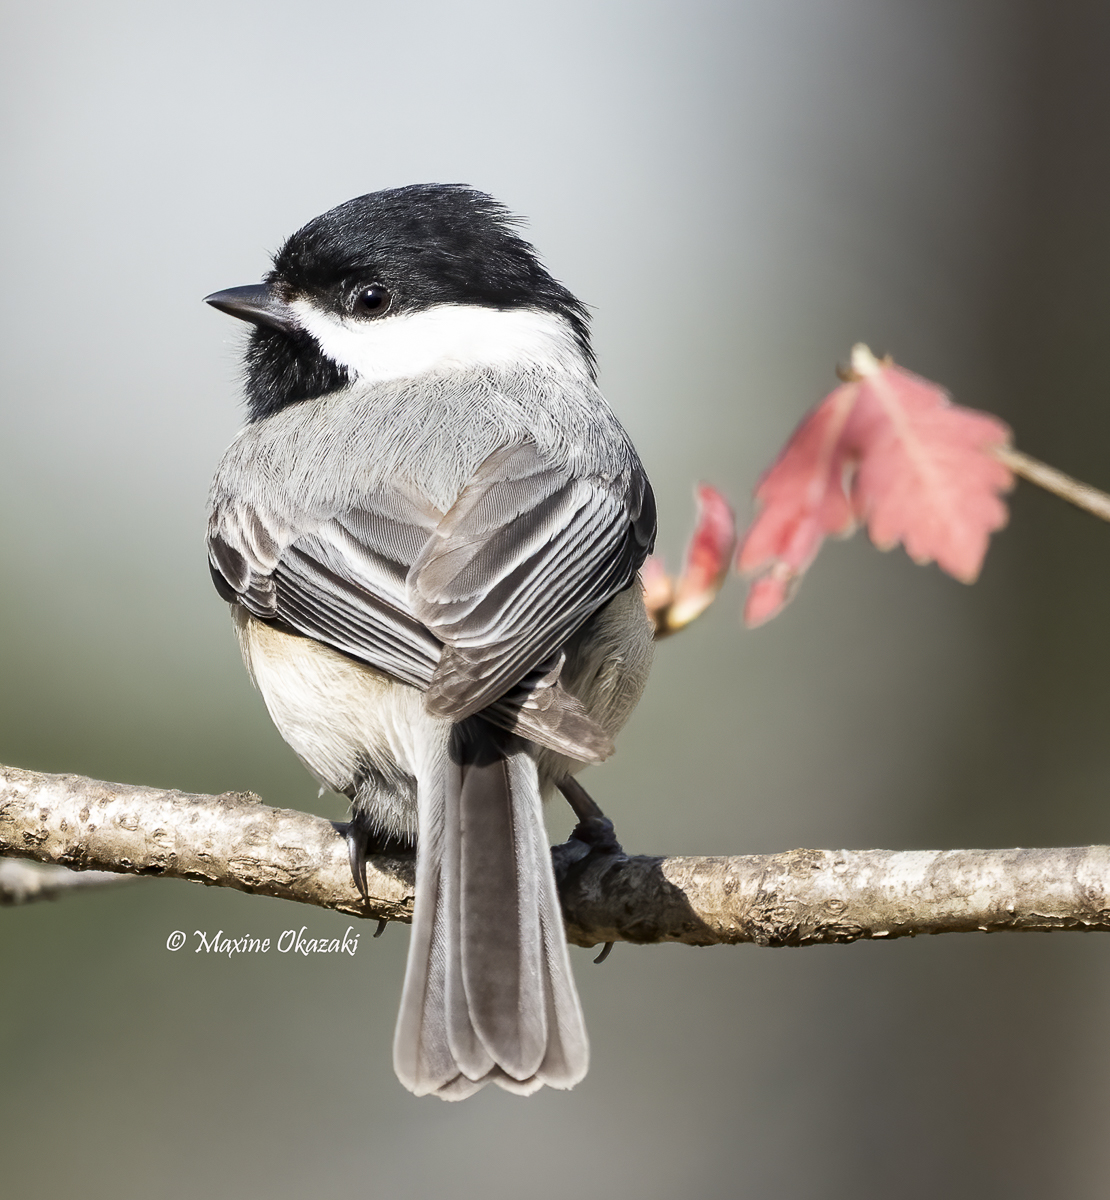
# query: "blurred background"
[741,190]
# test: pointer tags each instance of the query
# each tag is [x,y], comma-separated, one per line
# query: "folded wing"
[471,606]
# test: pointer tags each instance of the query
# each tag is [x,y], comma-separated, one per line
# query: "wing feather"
[522,559]
[469,605]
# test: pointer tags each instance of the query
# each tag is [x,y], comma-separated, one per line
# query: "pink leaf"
[673,604]
[658,588]
[888,449]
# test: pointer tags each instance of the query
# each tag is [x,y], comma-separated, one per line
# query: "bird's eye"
[372,301]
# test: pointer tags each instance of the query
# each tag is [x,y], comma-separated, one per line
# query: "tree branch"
[232,840]
[801,897]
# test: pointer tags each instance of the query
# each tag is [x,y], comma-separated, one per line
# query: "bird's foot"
[594,829]
[592,838]
[364,841]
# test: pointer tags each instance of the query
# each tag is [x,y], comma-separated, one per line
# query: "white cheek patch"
[448,336]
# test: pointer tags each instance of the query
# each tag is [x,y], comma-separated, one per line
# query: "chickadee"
[430,533]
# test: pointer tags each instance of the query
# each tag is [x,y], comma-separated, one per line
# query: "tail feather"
[422,1055]
[466,1052]
[489,995]
[500,931]
[568,1050]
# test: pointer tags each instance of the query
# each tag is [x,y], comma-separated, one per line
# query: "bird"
[430,531]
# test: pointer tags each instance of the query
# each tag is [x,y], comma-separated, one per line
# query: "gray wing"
[520,561]
[340,580]
[465,605]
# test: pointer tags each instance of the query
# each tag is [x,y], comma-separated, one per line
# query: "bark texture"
[232,840]
[798,898]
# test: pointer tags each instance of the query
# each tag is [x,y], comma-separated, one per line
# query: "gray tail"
[489,996]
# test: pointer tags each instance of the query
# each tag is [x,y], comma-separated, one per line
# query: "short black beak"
[257,304]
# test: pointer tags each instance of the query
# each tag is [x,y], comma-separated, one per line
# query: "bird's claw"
[358,847]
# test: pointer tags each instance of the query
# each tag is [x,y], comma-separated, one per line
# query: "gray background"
[741,190]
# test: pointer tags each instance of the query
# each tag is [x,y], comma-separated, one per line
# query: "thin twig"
[22,882]
[1082,495]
